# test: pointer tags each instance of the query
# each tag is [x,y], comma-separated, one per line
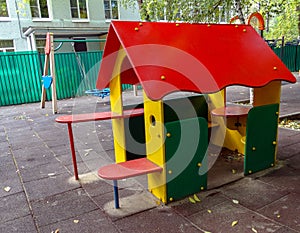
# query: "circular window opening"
[152,120]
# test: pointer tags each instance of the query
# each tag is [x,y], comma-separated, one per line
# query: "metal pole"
[116,194]
[296,55]
[73,151]
[88,40]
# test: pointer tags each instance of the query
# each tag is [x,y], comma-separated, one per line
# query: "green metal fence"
[75,73]
[290,56]
[19,78]
[21,72]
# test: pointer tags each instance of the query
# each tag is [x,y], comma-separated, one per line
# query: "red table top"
[128,169]
[231,111]
[98,116]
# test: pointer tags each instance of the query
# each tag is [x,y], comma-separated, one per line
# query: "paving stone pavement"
[38,192]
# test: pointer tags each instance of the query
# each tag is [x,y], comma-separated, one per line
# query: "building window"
[39,9]
[111,9]
[79,9]
[3,8]
[7,46]
[40,45]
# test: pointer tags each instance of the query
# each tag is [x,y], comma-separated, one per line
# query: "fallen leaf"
[76,221]
[88,150]
[7,189]
[47,114]
[278,216]
[209,211]
[254,230]
[192,200]
[235,201]
[233,171]
[56,231]
[234,223]
[196,198]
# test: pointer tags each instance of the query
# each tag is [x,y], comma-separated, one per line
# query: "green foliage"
[281,16]
[3,9]
[285,22]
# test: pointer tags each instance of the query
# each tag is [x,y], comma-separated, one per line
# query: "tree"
[282,16]
[3,9]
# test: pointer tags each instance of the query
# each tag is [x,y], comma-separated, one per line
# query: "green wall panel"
[185,150]
[261,138]
[184,108]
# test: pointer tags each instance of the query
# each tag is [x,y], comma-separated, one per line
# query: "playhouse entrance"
[225,166]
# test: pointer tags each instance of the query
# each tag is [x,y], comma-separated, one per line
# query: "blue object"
[116,194]
[100,93]
[47,81]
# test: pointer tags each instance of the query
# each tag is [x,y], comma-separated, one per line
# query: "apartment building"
[24,23]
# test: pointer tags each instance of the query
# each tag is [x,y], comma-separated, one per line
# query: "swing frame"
[49,61]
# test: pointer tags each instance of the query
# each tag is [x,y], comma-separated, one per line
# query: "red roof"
[167,57]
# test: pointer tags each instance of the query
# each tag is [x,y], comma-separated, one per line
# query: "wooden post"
[49,60]
[135,90]
[45,72]
[52,70]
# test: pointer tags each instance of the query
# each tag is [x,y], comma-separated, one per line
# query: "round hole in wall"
[152,120]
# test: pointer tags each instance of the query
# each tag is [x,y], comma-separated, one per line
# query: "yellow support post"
[217,100]
[269,94]
[227,134]
[155,147]
[117,108]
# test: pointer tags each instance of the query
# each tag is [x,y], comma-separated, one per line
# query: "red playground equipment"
[203,58]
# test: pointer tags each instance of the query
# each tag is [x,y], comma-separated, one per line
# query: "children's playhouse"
[199,58]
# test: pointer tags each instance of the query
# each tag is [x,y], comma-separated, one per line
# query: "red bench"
[99,116]
[127,169]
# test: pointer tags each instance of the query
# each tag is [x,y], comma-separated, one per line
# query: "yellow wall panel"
[155,148]
[117,108]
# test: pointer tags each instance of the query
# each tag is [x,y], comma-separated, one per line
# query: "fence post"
[282,48]
[296,56]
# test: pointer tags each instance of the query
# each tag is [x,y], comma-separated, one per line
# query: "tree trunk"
[298,10]
[140,2]
[238,7]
